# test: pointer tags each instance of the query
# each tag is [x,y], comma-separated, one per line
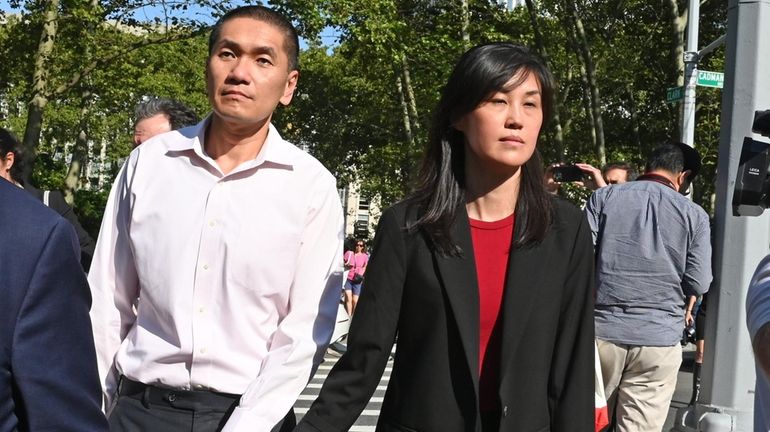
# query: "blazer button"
[505,411]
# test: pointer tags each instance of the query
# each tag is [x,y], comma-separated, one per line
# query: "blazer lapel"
[521,286]
[458,275]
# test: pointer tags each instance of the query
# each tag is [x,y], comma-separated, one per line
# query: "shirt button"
[212,223]
[205,266]
[505,411]
[203,350]
[201,309]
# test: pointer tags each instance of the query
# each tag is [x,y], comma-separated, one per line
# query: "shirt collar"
[274,151]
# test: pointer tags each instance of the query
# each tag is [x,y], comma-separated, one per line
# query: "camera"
[751,195]
[688,335]
[567,173]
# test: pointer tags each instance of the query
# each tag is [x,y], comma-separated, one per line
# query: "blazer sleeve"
[357,373]
[571,386]
[53,356]
[87,244]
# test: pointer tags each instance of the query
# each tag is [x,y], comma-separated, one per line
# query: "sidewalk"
[683,386]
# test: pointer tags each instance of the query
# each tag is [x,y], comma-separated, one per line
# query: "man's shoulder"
[305,162]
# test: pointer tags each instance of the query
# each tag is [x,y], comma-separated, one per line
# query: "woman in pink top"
[355,263]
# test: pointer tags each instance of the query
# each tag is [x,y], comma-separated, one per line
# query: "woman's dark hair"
[480,72]
[9,144]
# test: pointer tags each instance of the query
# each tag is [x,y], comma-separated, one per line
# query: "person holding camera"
[652,252]
[588,176]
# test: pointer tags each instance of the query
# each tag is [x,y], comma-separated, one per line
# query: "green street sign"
[711,79]
[674,94]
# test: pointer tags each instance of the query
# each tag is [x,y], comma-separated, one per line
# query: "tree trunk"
[411,101]
[540,45]
[677,25]
[584,49]
[465,24]
[40,85]
[635,122]
[408,160]
[79,151]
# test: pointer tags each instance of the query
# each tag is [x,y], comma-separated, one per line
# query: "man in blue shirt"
[652,252]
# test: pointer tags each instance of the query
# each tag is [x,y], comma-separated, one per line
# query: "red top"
[491,248]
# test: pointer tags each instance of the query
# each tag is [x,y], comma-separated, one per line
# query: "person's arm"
[303,334]
[87,244]
[593,212]
[53,360]
[571,385]
[697,273]
[357,373]
[688,318]
[596,179]
[114,283]
[758,315]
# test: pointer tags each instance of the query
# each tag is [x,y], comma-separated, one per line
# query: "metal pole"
[690,74]
[741,242]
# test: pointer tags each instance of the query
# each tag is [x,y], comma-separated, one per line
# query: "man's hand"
[595,180]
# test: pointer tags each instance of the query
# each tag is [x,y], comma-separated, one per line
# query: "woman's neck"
[490,198]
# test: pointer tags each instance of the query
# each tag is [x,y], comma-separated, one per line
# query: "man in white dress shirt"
[216,275]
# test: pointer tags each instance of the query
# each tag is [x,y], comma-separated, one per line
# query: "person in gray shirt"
[652,252]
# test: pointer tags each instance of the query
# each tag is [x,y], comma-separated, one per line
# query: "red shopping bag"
[601,416]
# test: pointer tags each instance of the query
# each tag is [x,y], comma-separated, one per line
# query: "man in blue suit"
[48,375]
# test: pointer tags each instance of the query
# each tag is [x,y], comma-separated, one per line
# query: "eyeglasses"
[360,244]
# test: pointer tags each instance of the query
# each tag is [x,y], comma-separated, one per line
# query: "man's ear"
[291,85]
[9,158]
[683,181]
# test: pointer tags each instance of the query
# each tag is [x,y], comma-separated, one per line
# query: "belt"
[182,399]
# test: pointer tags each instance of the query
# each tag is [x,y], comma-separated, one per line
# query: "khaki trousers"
[639,382]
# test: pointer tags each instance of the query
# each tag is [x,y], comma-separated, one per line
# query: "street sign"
[674,94]
[711,79]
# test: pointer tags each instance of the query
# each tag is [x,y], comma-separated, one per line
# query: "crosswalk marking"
[367,421]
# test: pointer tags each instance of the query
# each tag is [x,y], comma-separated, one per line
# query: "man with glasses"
[652,252]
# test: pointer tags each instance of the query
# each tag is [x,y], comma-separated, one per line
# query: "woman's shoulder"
[565,212]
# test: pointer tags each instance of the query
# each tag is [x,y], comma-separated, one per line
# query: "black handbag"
[357,278]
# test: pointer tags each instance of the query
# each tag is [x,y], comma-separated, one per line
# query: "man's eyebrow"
[235,46]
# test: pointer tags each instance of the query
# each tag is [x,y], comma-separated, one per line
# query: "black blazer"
[431,302]
[48,374]
[57,203]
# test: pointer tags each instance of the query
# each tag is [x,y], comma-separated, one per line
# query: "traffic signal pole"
[727,398]
[690,74]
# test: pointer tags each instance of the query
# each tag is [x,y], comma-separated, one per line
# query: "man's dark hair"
[178,114]
[10,144]
[674,158]
[631,173]
[266,15]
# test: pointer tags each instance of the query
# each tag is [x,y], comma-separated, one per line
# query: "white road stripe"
[314,397]
[366,412]
[317,386]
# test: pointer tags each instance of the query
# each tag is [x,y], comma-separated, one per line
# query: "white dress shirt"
[757,315]
[206,281]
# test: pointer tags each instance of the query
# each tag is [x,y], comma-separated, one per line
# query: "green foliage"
[348,110]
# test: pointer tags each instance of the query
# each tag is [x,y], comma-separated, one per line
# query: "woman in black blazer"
[484,277]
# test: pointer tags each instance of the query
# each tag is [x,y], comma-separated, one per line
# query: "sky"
[328,36]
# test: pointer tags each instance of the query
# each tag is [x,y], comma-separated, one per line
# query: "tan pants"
[639,382]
